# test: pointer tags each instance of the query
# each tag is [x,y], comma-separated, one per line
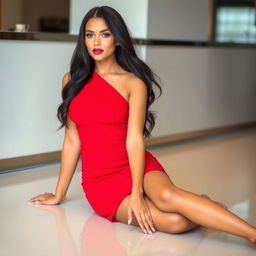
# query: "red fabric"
[101,116]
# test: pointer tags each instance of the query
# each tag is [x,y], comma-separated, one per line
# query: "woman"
[105,111]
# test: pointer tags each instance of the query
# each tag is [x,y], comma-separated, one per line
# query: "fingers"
[41,197]
[37,198]
[129,216]
[145,221]
[149,218]
[45,199]
[143,216]
[48,202]
[150,222]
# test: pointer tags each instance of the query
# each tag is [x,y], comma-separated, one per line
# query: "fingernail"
[150,232]
[154,230]
[129,222]
[145,231]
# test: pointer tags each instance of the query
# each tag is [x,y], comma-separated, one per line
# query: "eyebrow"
[100,31]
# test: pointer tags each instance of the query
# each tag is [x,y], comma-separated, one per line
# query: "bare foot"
[221,204]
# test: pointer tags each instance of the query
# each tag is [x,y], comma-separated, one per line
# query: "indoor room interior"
[204,53]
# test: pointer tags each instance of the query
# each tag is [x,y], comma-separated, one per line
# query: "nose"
[96,40]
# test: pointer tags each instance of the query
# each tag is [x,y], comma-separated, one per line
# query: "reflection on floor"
[221,166]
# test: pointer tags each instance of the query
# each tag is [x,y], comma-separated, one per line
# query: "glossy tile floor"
[222,166]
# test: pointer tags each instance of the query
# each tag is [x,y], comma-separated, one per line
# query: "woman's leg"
[163,221]
[169,198]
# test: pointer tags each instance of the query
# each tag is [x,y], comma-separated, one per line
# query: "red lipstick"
[97,51]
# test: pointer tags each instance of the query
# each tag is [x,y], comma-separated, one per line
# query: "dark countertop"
[65,37]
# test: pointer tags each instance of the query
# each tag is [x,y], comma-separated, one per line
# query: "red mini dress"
[100,113]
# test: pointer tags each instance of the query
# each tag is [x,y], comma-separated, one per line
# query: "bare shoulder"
[65,79]
[132,81]
[136,90]
[135,84]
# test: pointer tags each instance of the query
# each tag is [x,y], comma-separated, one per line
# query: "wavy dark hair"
[82,64]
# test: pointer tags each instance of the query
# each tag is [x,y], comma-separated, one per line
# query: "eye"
[106,34]
[88,35]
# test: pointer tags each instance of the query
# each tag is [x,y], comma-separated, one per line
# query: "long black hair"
[82,64]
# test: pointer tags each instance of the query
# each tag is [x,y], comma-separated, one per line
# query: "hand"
[139,206]
[47,198]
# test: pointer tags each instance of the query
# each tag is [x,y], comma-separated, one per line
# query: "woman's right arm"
[69,158]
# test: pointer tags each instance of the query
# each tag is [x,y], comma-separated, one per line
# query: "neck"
[106,66]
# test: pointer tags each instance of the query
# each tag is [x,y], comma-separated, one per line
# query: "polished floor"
[221,166]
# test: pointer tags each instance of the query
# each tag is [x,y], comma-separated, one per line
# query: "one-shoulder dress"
[100,113]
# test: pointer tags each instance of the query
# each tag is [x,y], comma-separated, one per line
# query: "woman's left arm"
[136,153]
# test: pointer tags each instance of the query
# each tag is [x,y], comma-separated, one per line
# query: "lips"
[97,51]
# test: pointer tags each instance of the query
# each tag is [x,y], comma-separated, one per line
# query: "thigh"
[155,185]
[163,221]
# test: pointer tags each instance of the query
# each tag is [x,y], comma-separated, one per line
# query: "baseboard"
[30,161]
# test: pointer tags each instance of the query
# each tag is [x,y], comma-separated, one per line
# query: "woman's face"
[98,36]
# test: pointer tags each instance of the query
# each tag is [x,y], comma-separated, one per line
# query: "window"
[235,21]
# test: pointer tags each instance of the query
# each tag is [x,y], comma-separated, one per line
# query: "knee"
[178,224]
[168,198]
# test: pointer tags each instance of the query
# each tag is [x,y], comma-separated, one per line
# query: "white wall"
[134,13]
[31,74]
[203,87]
[178,19]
